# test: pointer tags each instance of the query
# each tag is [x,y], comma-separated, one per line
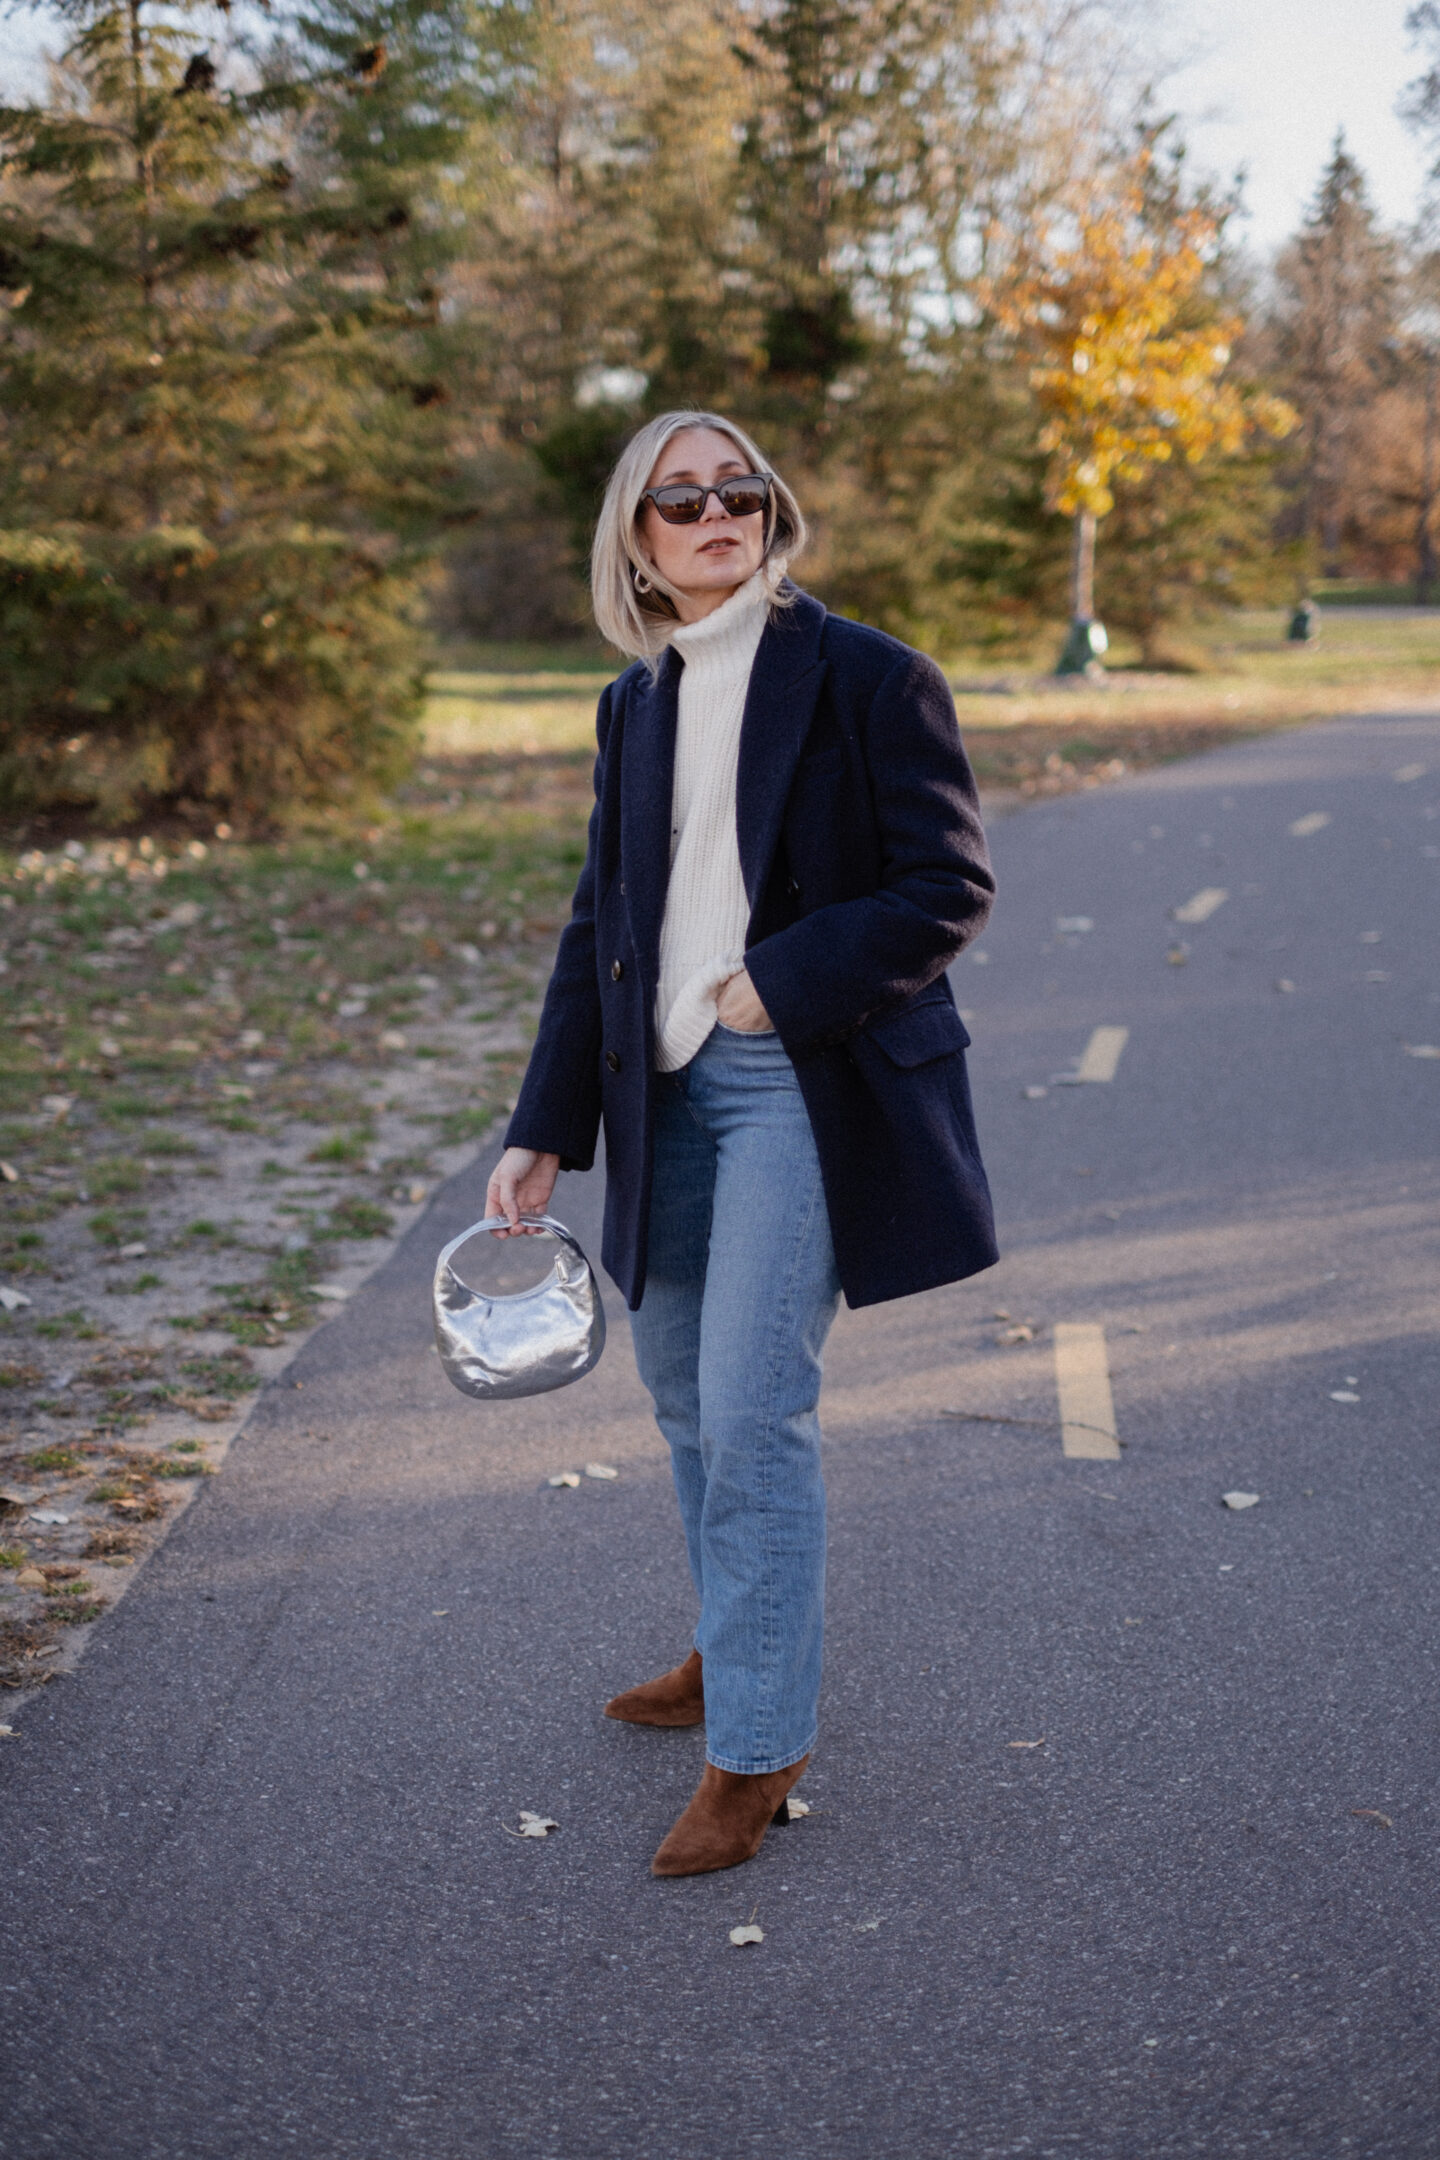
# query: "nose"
[714,510]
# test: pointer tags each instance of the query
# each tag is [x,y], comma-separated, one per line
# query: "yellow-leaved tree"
[1132,358]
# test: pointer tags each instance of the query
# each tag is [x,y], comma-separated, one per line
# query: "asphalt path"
[1123,1830]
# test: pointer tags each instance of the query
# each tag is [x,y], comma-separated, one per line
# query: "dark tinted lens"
[742,498]
[679,505]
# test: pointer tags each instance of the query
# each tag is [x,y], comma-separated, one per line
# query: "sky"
[1273,81]
[1266,85]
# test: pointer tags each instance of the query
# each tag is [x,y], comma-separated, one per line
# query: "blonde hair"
[637,621]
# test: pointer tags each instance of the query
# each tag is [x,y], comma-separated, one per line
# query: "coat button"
[612,1059]
[617,969]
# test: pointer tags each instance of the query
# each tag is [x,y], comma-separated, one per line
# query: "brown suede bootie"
[676,1698]
[726,1821]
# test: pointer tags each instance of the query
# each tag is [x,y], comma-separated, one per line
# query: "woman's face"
[706,561]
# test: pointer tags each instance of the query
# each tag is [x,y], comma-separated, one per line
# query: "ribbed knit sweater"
[702,938]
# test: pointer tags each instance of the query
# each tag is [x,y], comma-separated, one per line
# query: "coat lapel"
[784,685]
[647,786]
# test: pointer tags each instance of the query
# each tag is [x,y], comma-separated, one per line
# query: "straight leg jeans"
[740,1293]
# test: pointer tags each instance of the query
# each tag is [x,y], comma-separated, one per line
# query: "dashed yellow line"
[1087,1408]
[1102,1054]
[1202,906]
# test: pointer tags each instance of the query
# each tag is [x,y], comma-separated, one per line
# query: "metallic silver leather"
[542,1338]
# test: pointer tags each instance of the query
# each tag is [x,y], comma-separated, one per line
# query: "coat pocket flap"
[920,1033]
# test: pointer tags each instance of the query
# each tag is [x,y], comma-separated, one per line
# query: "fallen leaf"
[1018,1334]
[532,1825]
[1028,1743]
[1001,1314]
[797,1807]
[1178,954]
[8,1732]
[392,1039]
[1425,1050]
[416,1193]
[600,1470]
[1036,1094]
[1239,1501]
[48,1515]
[565,1477]
[1284,985]
[12,1300]
[1373,1814]
[747,1934]
[1074,925]
[1313,821]
[1341,1394]
[866,1927]
[10,1174]
[440,1612]
[56,1106]
[1407,773]
[133,1252]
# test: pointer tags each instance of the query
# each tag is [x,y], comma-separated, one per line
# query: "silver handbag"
[539,1339]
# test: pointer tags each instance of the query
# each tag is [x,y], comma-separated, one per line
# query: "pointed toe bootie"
[676,1698]
[726,1821]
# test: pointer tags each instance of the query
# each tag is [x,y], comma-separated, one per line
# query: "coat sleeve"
[558,1112]
[824,976]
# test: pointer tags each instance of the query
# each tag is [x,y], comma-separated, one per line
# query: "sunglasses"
[744,496]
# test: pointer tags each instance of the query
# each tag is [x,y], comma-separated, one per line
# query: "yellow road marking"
[1102,1054]
[1203,906]
[1087,1408]
[1313,821]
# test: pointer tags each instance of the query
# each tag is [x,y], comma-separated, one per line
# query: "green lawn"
[519,703]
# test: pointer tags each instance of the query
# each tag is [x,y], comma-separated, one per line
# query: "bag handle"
[546,1224]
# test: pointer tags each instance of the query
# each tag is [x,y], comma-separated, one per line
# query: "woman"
[785,856]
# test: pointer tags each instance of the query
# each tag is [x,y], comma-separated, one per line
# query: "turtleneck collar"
[728,630]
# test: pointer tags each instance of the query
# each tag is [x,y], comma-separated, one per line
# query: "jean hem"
[759,1769]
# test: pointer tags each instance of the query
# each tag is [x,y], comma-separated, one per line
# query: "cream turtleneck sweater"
[702,938]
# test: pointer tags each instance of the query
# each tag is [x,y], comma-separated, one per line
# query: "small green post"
[1085,648]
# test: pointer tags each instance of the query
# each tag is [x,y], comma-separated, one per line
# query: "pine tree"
[1337,283]
[222,381]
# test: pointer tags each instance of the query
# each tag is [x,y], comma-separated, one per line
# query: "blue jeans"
[740,1293]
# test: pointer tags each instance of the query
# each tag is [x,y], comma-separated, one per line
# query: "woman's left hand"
[738,1006]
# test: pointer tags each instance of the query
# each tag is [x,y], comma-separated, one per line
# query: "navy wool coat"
[866,871]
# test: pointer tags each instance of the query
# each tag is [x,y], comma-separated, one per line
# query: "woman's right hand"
[520,1184]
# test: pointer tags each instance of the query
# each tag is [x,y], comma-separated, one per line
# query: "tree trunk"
[1082,571]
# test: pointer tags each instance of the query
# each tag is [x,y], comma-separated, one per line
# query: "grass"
[1022,730]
